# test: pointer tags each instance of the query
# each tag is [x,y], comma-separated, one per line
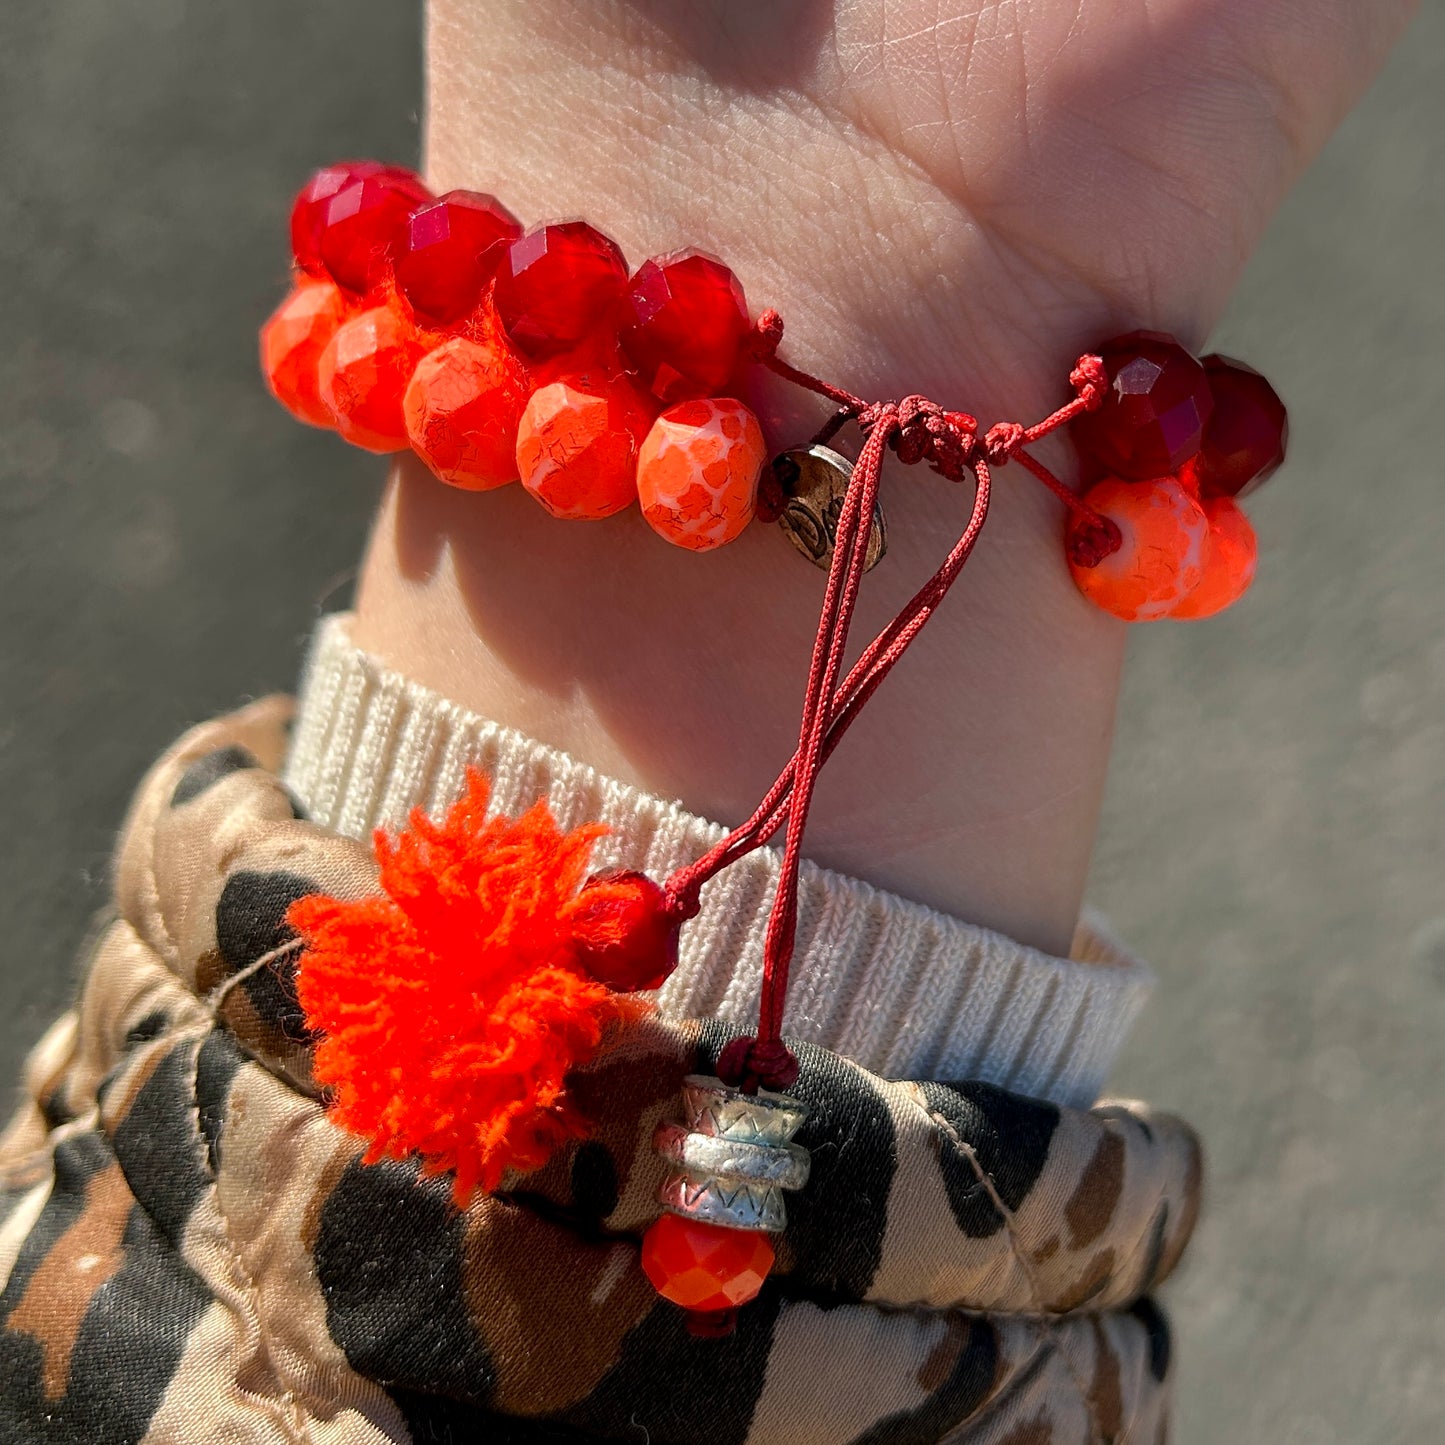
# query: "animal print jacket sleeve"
[192,1251]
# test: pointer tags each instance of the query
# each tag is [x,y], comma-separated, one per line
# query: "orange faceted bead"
[292,341]
[462,410]
[697,472]
[705,1267]
[363,374]
[1229,558]
[1162,557]
[577,445]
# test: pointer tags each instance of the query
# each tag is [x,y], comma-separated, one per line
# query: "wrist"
[976,774]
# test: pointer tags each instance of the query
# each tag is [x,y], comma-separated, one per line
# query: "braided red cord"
[917,430]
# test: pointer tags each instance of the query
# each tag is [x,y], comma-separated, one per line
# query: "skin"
[955,199]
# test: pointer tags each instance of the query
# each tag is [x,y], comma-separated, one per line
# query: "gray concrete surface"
[1273,835]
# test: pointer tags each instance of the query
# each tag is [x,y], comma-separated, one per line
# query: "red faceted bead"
[363,223]
[1246,438]
[363,374]
[449,250]
[705,1267]
[308,212]
[292,341]
[1153,416]
[556,283]
[626,936]
[684,320]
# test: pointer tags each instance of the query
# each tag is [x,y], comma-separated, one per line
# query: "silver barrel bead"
[733,1156]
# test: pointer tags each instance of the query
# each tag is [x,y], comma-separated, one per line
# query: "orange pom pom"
[452,1007]
[1229,558]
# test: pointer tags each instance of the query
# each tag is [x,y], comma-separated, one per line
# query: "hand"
[954,203]
[980,187]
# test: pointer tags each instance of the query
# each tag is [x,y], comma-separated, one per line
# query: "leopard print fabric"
[191,1251]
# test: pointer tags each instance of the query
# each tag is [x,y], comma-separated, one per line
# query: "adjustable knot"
[876,414]
[752,1064]
[1090,381]
[766,336]
[1002,441]
[922,431]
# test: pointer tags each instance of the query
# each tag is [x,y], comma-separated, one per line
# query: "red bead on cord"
[363,223]
[556,283]
[308,213]
[449,250]
[1245,440]
[1151,417]
[684,322]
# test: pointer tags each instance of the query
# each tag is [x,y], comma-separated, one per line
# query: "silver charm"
[733,1157]
[816,480]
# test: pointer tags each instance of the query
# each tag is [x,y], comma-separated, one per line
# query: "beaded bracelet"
[498,354]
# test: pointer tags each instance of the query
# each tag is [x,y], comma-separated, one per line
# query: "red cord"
[917,430]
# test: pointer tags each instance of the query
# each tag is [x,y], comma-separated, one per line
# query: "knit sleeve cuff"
[906,991]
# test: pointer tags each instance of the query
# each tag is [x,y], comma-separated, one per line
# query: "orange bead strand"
[697,473]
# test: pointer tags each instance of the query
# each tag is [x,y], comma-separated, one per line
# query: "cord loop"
[751,1064]
[1090,381]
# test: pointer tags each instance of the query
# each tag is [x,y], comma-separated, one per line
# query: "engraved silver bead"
[733,1157]
[816,479]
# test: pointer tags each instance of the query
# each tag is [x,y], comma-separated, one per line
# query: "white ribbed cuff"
[906,991]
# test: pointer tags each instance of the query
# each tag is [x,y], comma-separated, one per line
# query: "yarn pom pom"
[452,1006]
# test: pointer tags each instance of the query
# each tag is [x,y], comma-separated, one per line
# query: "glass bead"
[556,283]
[1245,440]
[623,931]
[308,211]
[363,374]
[578,442]
[705,1267]
[1229,561]
[698,470]
[292,341]
[685,318]
[1153,416]
[462,410]
[364,221]
[1161,560]
[449,250]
